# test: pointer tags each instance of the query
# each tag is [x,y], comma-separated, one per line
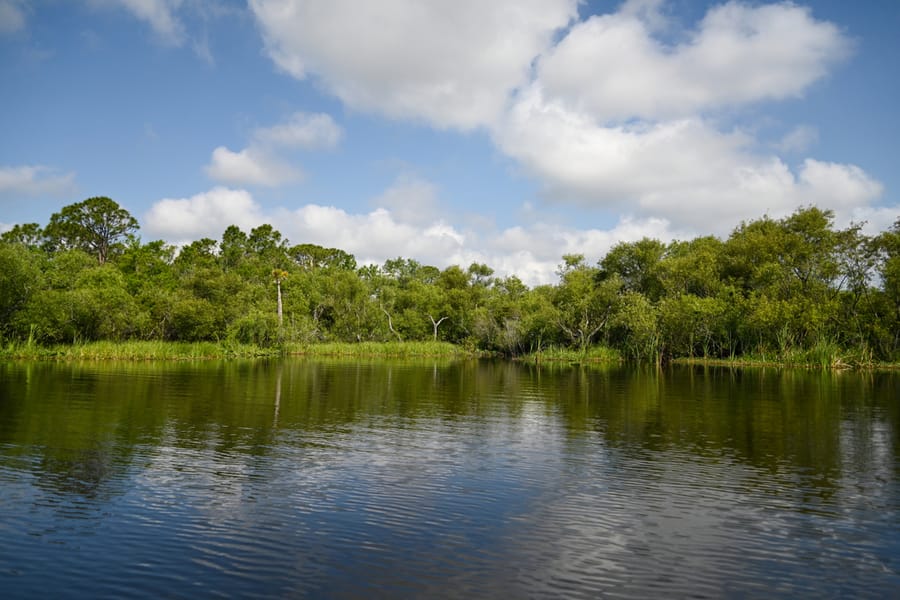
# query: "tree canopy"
[771,288]
[96,225]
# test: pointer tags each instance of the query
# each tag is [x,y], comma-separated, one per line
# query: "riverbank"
[594,354]
[824,356]
[817,358]
[155,350]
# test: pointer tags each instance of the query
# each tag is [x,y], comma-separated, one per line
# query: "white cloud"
[875,219]
[684,171]
[798,139]
[12,16]
[34,180]
[183,220]
[533,253]
[261,163]
[614,114]
[449,64]
[613,67]
[302,130]
[410,199]
[158,14]
[251,166]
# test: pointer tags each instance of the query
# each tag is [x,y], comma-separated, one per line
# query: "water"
[419,479]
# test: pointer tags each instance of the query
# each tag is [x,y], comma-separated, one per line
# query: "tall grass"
[823,354]
[134,350]
[594,354]
[379,349]
[157,350]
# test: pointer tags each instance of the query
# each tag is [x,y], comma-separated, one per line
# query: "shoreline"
[596,355]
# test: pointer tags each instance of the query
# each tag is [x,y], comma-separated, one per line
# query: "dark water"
[475,479]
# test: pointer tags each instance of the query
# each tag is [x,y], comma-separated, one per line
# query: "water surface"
[302,478]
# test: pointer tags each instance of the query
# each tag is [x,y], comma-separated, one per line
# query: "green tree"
[584,301]
[29,235]
[636,328]
[20,279]
[96,225]
[637,264]
[693,267]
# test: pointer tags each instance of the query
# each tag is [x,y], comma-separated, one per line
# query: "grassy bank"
[824,355]
[154,350]
[380,349]
[594,354]
[135,350]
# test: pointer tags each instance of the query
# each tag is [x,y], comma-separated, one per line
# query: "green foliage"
[636,327]
[20,278]
[97,226]
[794,290]
[637,264]
[29,235]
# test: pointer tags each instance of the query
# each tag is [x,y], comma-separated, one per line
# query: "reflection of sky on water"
[506,491]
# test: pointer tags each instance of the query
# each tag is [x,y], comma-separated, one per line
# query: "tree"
[20,278]
[693,267]
[583,301]
[311,256]
[279,275]
[29,235]
[95,225]
[637,263]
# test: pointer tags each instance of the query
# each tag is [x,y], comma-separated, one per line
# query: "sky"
[508,132]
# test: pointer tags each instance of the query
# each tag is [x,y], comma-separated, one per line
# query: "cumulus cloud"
[12,16]
[684,171]
[302,130]
[532,253]
[251,166]
[798,139]
[624,110]
[160,15]
[34,180]
[615,68]
[410,199]
[448,64]
[261,163]
[615,117]
[208,214]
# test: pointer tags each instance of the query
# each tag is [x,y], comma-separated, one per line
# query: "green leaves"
[774,286]
[97,226]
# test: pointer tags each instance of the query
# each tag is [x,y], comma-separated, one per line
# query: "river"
[472,479]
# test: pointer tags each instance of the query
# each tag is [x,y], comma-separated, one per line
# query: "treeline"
[773,288]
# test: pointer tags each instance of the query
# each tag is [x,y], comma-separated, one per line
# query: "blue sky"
[506,132]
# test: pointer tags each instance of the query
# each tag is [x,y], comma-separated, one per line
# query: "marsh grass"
[824,355]
[156,350]
[379,349]
[593,354]
[134,350]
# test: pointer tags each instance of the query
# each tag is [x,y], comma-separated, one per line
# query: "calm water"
[474,479]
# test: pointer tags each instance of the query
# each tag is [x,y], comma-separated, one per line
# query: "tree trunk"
[280,314]
[436,324]
[391,324]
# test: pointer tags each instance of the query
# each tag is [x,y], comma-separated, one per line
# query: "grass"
[380,349]
[134,350]
[157,350]
[593,354]
[824,355]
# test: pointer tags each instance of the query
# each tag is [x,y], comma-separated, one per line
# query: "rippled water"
[473,479]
